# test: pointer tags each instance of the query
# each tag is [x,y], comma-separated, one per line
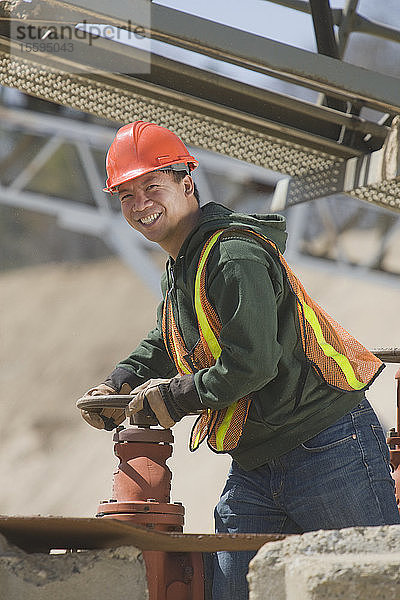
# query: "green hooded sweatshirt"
[262,351]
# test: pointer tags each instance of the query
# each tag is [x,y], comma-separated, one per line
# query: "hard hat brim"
[191,162]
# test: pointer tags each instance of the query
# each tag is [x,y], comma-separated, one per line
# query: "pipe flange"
[143,434]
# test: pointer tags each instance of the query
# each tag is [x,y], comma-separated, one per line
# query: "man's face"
[158,207]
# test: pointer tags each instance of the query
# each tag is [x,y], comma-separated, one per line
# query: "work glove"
[148,395]
[105,418]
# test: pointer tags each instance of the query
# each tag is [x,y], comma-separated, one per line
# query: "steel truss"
[251,190]
[323,149]
[348,238]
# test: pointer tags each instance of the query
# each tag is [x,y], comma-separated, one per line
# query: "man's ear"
[188,185]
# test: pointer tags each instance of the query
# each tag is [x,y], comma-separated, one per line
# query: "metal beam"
[276,59]
[34,166]
[298,252]
[323,27]
[364,25]
[326,44]
[87,216]
[358,23]
[249,51]
[347,25]
[120,99]
[374,177]
[166,97]
[45,125]
[100,137]
[88,220]
[279,110]
[93,177]
[179,83]
[271,105]
[304,7]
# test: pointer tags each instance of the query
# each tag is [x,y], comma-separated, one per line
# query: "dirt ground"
[62,329]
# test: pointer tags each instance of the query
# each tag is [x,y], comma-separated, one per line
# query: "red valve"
[141,495]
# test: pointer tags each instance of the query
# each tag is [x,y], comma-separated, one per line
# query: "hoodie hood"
[215,216]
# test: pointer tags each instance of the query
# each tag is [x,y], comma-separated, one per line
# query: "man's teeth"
[149,219]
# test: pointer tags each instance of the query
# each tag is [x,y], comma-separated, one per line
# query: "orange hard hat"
[141,147]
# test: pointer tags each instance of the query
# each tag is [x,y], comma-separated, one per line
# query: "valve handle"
[143,418]
[106,401]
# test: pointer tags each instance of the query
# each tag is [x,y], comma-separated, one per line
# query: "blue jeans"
[339,478]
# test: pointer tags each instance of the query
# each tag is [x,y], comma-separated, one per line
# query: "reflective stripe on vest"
[209,340]
[342,361]
[204,327]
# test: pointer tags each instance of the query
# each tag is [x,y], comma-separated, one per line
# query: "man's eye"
[152,185]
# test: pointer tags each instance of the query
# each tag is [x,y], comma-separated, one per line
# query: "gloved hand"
[105,418]
[149,391]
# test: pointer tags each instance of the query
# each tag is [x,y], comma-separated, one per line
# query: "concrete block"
[117,573]
[349,564]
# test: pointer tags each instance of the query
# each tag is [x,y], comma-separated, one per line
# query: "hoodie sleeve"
[244,288]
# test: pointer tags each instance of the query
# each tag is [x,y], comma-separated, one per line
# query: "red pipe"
[141,495]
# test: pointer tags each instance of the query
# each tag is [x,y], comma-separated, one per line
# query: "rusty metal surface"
[40,534]
[150,506]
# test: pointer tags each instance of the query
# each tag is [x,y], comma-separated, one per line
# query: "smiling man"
[276,382]
[161,209]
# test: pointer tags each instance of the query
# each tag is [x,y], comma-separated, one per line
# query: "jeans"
[339,478]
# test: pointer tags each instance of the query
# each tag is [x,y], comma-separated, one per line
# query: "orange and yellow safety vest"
[338,357]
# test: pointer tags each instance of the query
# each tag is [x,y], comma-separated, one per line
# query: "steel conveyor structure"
[324,149]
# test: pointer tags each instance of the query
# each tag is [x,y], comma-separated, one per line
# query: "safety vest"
[341,361]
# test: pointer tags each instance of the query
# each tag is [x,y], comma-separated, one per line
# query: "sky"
[259,16]
[278,22]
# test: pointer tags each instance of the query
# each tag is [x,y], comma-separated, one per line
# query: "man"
[277,383]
